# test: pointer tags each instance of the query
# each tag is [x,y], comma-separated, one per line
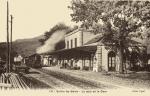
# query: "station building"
[85,51]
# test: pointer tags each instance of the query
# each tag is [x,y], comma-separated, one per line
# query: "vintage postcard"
[74,47]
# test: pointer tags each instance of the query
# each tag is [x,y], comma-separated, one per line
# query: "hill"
[25,47]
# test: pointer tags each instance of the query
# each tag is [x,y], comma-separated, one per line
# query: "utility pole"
[8,47]
[10,66]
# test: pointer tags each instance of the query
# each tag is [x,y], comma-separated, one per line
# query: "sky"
[33,17]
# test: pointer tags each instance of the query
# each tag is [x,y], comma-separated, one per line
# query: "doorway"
[111,61]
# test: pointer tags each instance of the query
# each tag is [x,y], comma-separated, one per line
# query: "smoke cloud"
[51,42]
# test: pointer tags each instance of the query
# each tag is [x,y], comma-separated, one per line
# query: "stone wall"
[101,59]
[97,64]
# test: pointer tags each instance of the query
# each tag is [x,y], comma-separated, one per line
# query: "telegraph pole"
[8,47]
[10,66]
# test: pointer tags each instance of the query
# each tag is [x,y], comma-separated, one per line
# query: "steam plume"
[51,42]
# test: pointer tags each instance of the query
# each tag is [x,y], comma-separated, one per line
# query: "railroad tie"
[13,80]
[24,84]
[3,83]
[3,78]
[20,82]
[16,81]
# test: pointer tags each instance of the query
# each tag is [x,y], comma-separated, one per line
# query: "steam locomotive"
[33,61]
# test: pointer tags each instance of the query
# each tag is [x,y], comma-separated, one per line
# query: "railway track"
[75,81]
[12,80]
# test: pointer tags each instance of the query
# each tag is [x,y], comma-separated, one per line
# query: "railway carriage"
[33,61]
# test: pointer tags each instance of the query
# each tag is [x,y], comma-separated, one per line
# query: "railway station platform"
[134,80]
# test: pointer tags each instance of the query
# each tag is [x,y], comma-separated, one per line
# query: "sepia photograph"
[74,47]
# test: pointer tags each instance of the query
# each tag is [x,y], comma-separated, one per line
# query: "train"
[19,65]
[33,61]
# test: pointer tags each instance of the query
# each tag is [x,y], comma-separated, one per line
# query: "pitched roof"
[98,40]
[94,39]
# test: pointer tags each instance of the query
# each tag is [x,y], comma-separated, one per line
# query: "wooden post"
[8,49]
[10,66]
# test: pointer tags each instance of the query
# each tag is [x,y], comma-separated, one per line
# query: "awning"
[82,49]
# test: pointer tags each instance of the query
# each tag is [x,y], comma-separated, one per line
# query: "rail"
[12,80]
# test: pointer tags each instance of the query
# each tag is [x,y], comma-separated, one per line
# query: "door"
[111,61]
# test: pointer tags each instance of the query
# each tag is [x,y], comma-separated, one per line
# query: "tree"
[119,22]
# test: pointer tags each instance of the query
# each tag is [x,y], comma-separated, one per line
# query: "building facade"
[85,51]
[77,38]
